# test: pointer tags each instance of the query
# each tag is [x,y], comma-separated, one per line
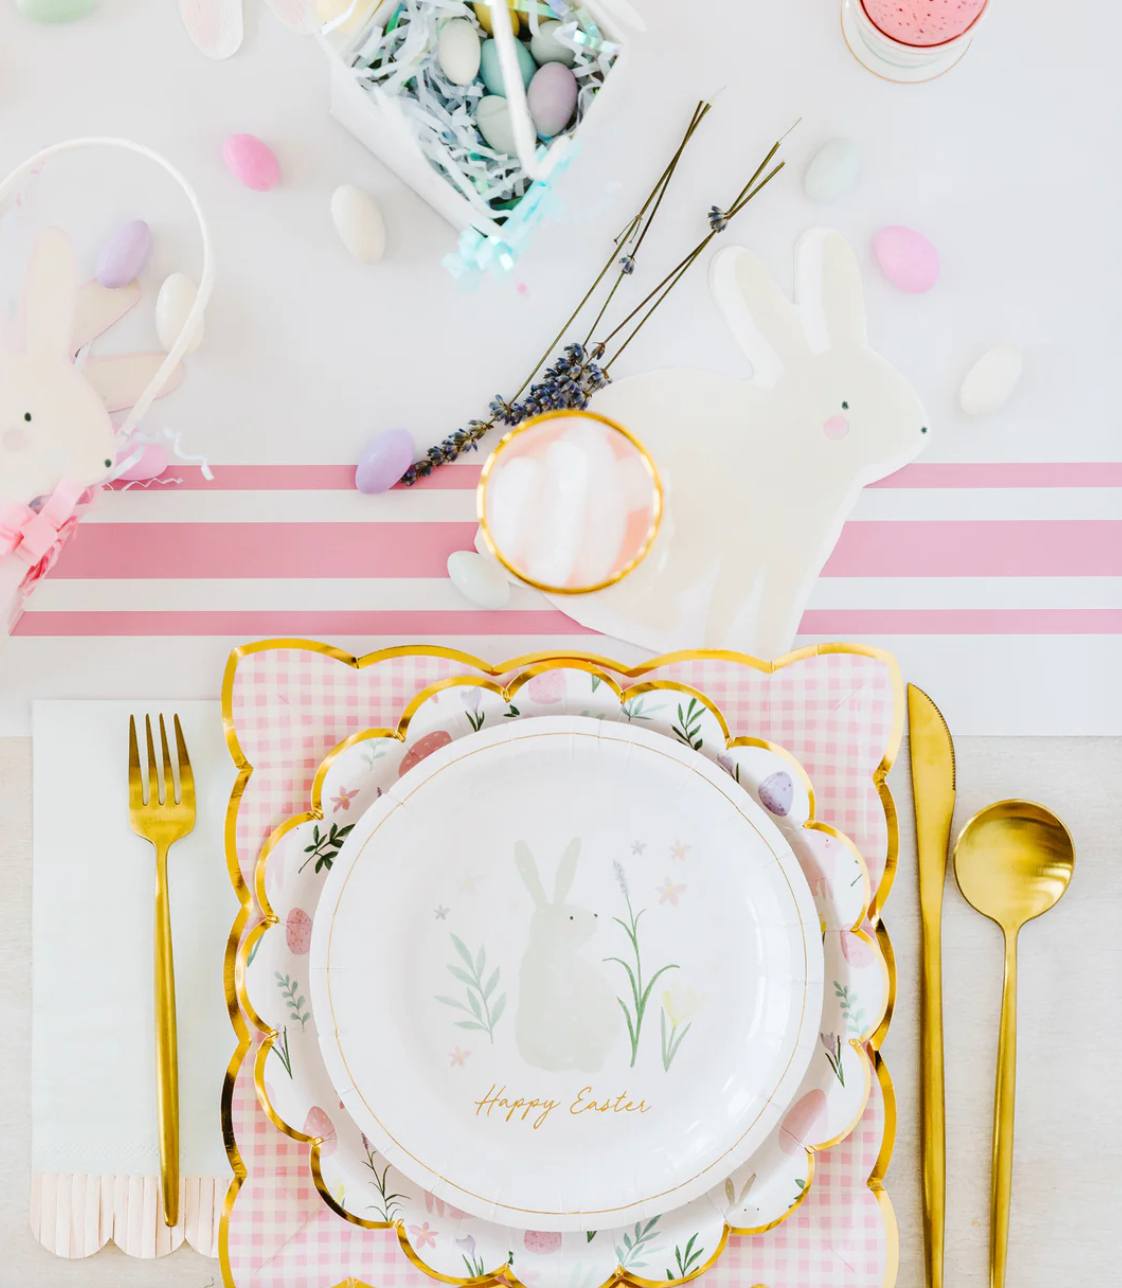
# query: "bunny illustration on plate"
[54,416]
[567,1016]
[761,474]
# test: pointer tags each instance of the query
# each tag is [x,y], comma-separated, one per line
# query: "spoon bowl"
[1013,861]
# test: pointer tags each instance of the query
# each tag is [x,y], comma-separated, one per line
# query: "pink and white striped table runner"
[941,563]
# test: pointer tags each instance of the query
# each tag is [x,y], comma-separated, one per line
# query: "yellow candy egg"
[483,13]
[330,10]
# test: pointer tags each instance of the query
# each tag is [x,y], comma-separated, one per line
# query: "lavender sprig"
[579,373]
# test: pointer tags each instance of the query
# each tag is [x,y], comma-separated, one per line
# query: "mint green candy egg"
[54,10]
[491,72]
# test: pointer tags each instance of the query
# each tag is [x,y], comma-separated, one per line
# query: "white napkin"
[93,1036]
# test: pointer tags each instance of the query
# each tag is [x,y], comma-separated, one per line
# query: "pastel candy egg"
[251,162]
[54,10]
[478,579]
[359,223]
[151,464]
[546,48]
[491,71]
[833,171]
[124,254]
[777,792]
[458,52]
[384,461]
[552,98]
[173,303]
[907,259]
[492,116]
[483,13]
[991,380]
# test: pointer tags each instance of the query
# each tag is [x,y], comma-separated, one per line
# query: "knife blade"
[933,788]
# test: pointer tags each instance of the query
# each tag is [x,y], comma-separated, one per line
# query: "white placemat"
[93,1043]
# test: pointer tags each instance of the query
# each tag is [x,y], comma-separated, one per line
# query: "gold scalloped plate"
[522,672]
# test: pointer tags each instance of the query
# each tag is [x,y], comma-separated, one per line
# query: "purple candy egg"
[777,792]
[552,98]
[124,254]
[384,461]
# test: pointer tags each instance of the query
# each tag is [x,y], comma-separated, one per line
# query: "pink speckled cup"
[910,40]
[923,24]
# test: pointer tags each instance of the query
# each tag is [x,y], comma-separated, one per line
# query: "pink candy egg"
[907,258]
[251,162]
[152,463]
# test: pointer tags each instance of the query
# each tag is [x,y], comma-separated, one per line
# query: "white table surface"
[1024,198]
[1068,1158]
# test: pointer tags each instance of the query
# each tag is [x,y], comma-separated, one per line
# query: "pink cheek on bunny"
[15,439]
[836,427]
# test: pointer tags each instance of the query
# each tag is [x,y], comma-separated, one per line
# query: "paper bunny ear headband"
[55,421]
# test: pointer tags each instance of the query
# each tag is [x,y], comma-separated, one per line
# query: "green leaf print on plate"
[688,728]
[640,995]
[638,1243]
[325,848]
[293,998]
[484,1013]
[686,1259]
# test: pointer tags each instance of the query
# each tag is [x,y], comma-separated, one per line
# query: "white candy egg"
[991,380]
[478,579]
[359,223]
[172,306]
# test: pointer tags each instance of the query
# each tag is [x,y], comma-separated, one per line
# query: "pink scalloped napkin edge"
[838,713]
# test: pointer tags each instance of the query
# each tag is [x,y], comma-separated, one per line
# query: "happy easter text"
[537,1110]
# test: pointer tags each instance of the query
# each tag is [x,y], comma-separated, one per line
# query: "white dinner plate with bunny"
[490,956]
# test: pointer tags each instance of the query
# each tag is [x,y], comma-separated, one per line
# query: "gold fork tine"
[186,777]
[153,778]
[136,787]
[169,780]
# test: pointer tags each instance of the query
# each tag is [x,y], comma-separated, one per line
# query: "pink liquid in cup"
[923,22]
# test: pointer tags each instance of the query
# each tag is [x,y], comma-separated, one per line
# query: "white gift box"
[375,116]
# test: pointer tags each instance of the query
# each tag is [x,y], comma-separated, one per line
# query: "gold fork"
[163,823]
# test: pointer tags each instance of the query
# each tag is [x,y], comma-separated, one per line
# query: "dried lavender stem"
[656,195]
[675,276]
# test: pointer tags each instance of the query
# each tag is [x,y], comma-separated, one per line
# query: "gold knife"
[933,789]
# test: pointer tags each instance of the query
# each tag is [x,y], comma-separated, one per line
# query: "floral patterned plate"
[365,1189]
[494,895]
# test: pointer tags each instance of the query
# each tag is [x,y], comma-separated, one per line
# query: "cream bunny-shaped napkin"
[759,474]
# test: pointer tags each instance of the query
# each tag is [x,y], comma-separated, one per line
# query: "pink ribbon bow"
[37,535]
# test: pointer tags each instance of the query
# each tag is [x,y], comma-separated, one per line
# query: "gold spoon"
[1013,861]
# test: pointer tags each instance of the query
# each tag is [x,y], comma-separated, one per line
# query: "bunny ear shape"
[566,871]
[121,378]
[48,296]
[764,321]
[97,307]
[829,291]
[528,870]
